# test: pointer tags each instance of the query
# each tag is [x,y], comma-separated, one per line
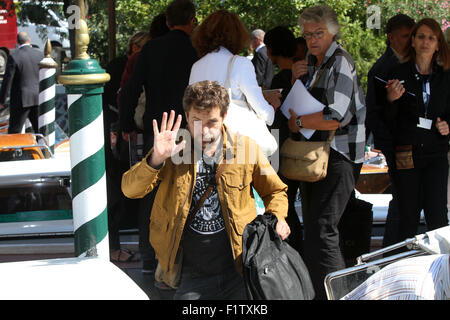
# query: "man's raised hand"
[164,145]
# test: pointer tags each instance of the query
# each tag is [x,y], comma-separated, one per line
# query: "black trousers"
[323,204]
[424,187]
[295,239]
[391,232]
[18,116]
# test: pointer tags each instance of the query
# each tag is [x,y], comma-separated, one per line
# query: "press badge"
[425,123]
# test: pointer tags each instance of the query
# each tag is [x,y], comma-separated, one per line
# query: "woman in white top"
[220,36]
[217,39]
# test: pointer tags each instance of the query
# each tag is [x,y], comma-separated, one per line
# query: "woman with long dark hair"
[418,110]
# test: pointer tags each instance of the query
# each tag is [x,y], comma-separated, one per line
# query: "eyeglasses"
[316,35]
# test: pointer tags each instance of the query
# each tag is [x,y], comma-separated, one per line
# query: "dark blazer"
[263,68]
[22,77]
[403,114]
[163,68]
[376,99]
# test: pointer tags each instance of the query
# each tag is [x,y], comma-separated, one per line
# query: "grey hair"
[258,34]
[320,14]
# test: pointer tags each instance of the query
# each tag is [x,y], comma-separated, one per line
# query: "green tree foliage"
[365,43]
[133,15]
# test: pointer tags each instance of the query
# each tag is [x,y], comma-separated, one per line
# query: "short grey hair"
[258,34]
[320,14]
[22,38]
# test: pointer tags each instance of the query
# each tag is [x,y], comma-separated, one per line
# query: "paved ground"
[146,282]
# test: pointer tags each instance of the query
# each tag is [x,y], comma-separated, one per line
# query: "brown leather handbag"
[404,157]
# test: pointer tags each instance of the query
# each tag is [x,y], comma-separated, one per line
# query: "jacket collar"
[435,69]
[331,49]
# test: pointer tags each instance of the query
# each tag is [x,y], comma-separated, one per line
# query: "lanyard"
[426,94]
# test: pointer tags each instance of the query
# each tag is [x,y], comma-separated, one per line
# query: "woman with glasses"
[330,75]
[418,111]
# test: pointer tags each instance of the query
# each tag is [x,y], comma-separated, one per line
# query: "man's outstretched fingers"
[164,122]
[178,123]
[155,128]
[171,120]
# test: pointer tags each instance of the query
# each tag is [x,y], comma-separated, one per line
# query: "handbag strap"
[322,69]
[227,84]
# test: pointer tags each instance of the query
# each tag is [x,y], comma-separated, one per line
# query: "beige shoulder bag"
[306,160]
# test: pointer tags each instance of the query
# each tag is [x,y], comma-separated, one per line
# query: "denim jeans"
[228,285]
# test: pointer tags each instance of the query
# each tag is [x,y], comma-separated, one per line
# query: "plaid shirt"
[339,89]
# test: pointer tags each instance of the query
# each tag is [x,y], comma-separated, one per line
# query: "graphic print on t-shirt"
[208,219]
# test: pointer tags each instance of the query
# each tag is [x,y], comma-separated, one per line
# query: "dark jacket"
[22,77]
[376,99]
[403,114]
[163,68]
[263,68]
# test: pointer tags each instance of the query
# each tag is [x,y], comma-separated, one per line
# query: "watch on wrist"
[298,122]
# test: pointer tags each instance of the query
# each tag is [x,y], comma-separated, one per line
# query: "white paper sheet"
[302,102]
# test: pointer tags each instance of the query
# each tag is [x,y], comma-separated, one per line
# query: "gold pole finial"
[48,49]
[82,9]
[82,35]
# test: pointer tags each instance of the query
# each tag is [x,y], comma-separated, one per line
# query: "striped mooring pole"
[47,85]
[84,81]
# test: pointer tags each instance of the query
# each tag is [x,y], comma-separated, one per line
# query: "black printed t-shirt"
[206,248]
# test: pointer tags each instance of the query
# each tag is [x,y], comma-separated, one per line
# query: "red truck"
[8,31]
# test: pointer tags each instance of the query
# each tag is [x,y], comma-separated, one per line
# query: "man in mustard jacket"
[205,196]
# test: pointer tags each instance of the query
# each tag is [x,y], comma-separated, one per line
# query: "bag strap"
[337,52]
[227,84]
[206,194]
[323,68]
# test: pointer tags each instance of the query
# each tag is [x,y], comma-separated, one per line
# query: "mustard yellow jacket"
[173,199]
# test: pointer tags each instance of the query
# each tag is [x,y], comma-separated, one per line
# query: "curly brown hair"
[206,95]
[220,28]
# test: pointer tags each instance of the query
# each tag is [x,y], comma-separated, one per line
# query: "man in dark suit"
[22,81]
[163,68]
[263,66]
[398,29]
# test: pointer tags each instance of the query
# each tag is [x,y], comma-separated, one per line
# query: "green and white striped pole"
[84,81]
[47,81]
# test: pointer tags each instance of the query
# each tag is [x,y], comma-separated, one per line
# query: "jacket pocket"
[159,225]
[239,199]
